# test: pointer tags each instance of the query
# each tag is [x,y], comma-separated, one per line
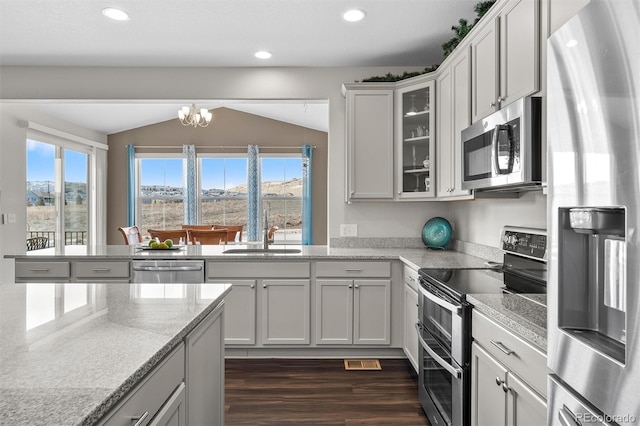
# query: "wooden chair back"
[170,234]
[198,227]
[208,237]
[131,235]
[232,230]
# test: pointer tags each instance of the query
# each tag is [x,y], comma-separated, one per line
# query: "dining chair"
[170,234]
[131,235]
[37,243]
[208,237]
[232,231]
[198,227]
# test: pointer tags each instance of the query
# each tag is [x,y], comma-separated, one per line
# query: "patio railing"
[71,238]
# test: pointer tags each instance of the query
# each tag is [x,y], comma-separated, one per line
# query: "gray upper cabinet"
[369,138]
[415,136]
[453,116]
[505,56]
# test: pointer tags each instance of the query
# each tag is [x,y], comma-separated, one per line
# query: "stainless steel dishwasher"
[168,271]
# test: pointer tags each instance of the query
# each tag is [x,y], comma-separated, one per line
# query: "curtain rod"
[215,147]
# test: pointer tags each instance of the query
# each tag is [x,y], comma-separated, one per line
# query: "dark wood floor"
[320,392]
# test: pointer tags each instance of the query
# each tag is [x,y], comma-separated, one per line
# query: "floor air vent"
[362,364]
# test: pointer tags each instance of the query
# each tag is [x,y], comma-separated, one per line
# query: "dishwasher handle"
[167,268]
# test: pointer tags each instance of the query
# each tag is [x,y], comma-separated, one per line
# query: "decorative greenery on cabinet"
[460,30]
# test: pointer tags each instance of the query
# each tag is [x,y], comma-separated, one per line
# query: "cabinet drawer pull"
[139,420]
[353,270]
[39,270]
[101,269]
[502,347]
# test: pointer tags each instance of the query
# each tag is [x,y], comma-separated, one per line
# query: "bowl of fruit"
[160,245]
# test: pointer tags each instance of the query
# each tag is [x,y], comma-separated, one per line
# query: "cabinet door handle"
[350,286]
[139,420]
[499,381]
[500,99]
[502,347]
[357,286]
[492,104]
[252,286]
[264,286]
[505,388]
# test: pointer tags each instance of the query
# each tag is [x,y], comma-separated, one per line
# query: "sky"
[41,164]
[217,173]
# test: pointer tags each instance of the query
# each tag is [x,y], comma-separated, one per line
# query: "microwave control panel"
[525,243]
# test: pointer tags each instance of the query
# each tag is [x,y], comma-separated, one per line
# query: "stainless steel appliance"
[503,150]
[168,271]
[593,85]
[444,320]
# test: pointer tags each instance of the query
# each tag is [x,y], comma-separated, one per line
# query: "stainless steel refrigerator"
[593,123]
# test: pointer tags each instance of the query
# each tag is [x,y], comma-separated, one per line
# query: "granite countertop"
[414,257]
[64,361]
[525,315]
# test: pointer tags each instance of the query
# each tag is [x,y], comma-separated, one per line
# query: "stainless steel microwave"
[503,151]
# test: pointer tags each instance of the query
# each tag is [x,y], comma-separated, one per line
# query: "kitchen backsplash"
[473,249]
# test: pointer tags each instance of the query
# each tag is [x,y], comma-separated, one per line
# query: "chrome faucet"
[265,235]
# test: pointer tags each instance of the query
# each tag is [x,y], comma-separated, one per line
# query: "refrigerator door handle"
[567,418]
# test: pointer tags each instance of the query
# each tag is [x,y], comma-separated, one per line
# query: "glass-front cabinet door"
[415,141]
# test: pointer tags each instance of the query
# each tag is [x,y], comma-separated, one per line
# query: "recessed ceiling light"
[354,15]
[263,54]
[115,14]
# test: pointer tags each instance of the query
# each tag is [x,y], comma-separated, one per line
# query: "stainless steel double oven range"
[444,320]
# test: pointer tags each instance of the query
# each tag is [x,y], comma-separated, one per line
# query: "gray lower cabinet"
[354,308]
[173,412]
[186,388]
[240,312]
[151,395]
[269,304]
[508,377]
[205,371]
[285,313]
[72,271]
[410,319]
[353,312]
[30,271]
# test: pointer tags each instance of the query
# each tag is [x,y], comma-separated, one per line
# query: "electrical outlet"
[348,230]
[11,218]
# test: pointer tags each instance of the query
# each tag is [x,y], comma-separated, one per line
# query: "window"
[281,195]
[160,193]
[222,195]
[58,176]
[223,191]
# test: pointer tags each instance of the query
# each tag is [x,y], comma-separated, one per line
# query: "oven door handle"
[456,372]
[441,302]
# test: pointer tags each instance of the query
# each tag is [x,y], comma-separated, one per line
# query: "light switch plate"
[348,230]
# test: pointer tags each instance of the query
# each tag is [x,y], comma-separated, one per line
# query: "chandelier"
[190,116]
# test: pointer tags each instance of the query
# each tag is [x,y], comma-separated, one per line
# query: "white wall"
[481,221]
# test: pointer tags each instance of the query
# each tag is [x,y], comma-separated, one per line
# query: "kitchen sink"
[261,250]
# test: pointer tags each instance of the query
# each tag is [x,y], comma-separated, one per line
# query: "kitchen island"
[75,353]
[413,257]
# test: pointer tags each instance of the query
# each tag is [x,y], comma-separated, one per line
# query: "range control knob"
[510,239]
